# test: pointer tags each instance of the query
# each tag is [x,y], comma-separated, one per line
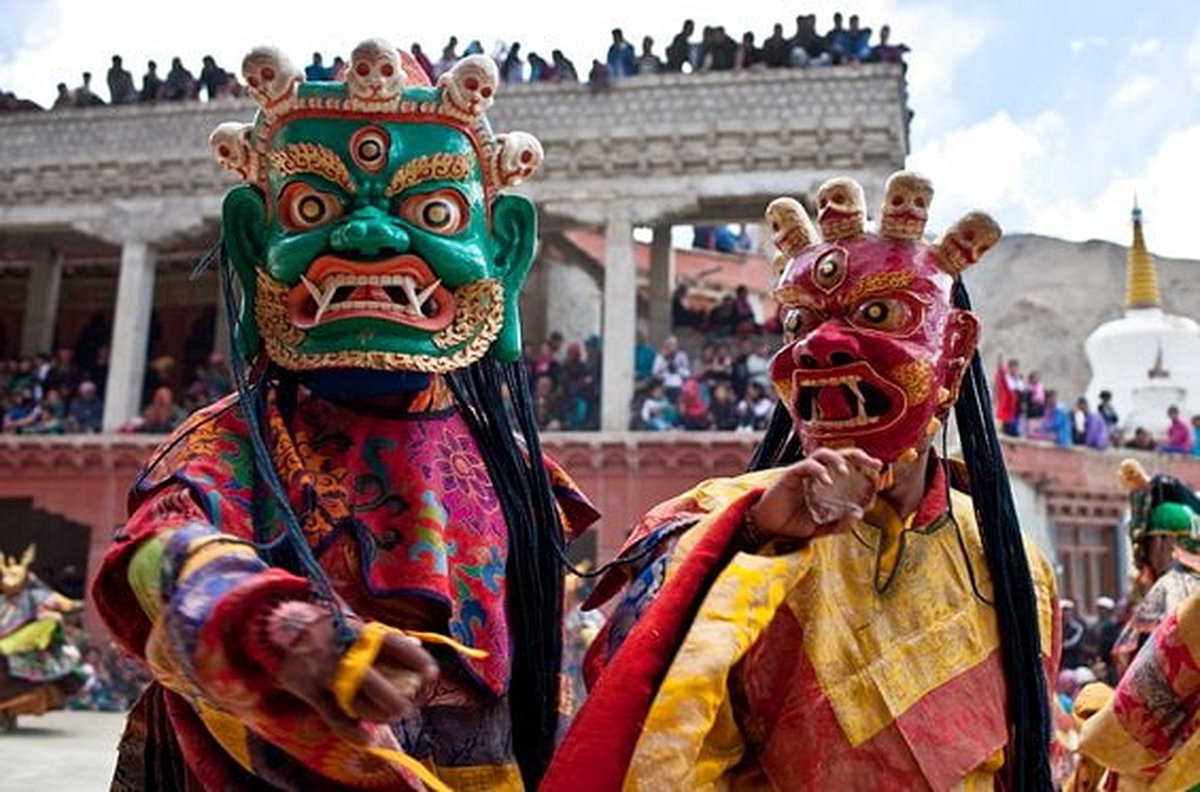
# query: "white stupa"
[1149,359]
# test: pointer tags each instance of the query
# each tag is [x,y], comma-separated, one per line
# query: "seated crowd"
[1024,407]
[51,395]
[846,42]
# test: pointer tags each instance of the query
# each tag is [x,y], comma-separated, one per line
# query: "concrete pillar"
[662,283]
[41,305]
[620,319]
[131,334]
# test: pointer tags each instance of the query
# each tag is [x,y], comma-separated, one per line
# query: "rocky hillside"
[1039,298]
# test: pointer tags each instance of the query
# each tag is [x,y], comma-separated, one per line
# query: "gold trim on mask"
[441,166]
[878,283]
[313,159]
[478,318]
[916,377]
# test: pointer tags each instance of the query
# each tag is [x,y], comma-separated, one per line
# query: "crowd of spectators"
[62,394]
[565,379]
[1026,408]
[846,42]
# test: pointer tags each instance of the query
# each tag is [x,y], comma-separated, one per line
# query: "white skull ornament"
[376,77]
[469,88]
[230,144]
[906,200]
[791,230]
[518,156]
[841,209]
[271,78]
[965,242]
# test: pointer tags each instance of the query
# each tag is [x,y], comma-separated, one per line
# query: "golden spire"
[1141,277]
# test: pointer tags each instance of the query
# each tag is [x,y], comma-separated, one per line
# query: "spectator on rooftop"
[120,83]
[1179,434]
[748,56]
[648,62]
[152,84]
[449,57]
[213,79]
[10,102]
[721,53]
[679,52]
[512,69]
[84,96]
[858,42]
[422,60]
[807,46]
[1094,431]
[885,51]
[598,77]
[1055,425]
[837,41]
[564,69]
[540,70]
[1007,388]
[337,69]
[64,99]
[1032,398]
[86,411]
[776,49]
[1106,409]
[180,84]
[313,72]
[620,58]
[1142,440]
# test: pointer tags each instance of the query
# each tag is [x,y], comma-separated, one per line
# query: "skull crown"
[381,83]
[903,216]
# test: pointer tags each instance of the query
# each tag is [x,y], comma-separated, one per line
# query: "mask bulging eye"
[442,212]
[885,314]
[303,207]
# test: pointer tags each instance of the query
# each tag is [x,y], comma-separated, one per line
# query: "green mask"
[371,232]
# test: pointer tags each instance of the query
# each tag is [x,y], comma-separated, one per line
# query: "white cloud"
[1166,188]
[1145,48]
[1132,90]
[991,164]
[1193,59]
[1078,45]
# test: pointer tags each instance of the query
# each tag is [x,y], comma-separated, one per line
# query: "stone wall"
[679,142]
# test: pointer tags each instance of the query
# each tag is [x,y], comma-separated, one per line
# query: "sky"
[1049,115]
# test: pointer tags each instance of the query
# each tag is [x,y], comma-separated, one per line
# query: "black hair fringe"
[1028,761]
[534,574]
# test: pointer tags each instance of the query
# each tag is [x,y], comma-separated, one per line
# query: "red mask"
[875,351]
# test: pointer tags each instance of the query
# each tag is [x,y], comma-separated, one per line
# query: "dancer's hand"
[829,488]
[304,633]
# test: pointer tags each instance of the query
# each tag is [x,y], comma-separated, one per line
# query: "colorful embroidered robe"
[400,513]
